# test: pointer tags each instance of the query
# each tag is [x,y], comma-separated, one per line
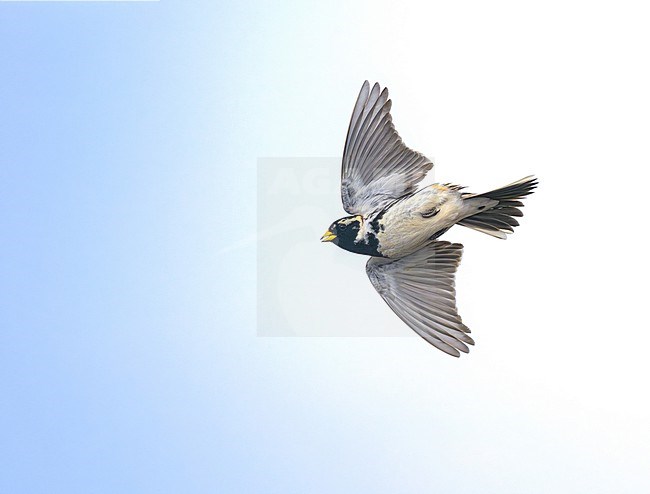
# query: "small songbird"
[398,225]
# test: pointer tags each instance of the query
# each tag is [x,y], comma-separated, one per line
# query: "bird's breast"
[410,223]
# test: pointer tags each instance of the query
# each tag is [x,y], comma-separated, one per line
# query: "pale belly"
[406,227]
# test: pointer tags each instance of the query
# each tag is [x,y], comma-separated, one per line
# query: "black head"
[345,233]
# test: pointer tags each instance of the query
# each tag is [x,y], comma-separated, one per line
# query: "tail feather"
[499,220]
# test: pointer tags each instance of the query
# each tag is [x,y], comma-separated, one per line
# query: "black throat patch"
[368,245]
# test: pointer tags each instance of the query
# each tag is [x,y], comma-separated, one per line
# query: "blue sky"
[129,355]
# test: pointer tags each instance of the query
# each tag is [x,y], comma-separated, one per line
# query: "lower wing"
[419,288]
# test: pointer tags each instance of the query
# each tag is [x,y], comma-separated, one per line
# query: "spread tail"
[498,218]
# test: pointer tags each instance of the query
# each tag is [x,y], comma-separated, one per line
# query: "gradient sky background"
[129,356]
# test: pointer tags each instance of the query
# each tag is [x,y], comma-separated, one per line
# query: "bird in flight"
[398,225]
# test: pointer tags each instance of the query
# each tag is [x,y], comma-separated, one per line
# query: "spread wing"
[420,290]
[377,167]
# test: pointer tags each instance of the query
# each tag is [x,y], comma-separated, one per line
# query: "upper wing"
[377,167]
[420,290]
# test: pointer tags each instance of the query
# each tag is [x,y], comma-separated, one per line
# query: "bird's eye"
[342,226]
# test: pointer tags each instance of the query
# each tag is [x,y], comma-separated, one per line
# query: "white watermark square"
[306,287]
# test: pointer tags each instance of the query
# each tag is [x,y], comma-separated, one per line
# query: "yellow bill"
[327,236]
